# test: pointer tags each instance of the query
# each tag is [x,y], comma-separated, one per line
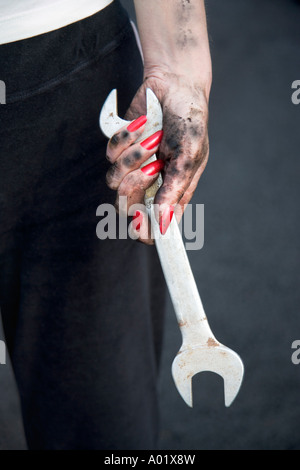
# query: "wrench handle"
[181,283]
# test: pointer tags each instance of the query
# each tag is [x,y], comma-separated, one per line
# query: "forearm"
[174,39]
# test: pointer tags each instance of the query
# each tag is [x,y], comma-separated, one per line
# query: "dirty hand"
[182,151]
[177,67]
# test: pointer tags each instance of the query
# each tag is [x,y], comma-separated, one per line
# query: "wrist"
[167,76]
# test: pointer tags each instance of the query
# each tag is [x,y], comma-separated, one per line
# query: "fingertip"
[137,124]
[153,168]
[137,220]
[165,218]
[153,141]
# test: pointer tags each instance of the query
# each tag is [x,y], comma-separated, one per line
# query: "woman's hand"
[182,150]
[125,175]
[177,67]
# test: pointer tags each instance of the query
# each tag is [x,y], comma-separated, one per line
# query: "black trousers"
[82,317]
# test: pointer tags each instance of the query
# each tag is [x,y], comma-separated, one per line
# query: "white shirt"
[21,19]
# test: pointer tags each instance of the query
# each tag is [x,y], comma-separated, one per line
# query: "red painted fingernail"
[137,220]
[152,141]
[165,219]
[153,168]
[137,124]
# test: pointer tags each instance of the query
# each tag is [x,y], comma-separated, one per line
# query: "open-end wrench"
[200,350]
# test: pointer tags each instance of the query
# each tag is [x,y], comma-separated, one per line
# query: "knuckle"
[109,154]
[132,158]
[120,138]
[188,165]
[113,176]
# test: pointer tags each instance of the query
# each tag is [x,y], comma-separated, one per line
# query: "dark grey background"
[248,270]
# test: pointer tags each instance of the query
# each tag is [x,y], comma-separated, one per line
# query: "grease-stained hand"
[182,148]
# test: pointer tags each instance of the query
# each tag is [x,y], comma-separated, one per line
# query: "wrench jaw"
[218,359]
[109,120]
[182,373]
[110,123]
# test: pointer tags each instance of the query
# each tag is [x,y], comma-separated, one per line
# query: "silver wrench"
[200,350]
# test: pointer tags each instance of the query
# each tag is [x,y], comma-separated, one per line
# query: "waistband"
[27,19]
[28,66]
